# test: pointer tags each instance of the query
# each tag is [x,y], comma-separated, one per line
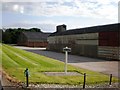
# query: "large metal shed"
[33,39]
[97,41]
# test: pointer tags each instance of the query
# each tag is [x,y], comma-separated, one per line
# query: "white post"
[66,59]
[66,50]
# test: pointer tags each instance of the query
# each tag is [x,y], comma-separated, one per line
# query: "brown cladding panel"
[103,35]
[109,39]
[103,43]
[37,44]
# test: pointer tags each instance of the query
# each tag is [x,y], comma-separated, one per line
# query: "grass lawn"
[14,62]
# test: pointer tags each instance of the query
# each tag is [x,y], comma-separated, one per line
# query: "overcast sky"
[46,14]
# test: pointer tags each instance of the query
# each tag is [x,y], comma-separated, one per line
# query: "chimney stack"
[61,28]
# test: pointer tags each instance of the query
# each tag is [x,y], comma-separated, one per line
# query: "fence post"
[27,82]
[26,72]
[84,80]
[110,79]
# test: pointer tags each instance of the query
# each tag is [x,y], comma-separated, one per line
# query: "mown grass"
[14,62]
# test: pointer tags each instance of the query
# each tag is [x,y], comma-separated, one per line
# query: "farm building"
[33,39]
[97,41]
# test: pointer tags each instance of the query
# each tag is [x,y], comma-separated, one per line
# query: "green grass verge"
[14,62]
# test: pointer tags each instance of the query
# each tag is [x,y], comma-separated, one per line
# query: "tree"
[10,36]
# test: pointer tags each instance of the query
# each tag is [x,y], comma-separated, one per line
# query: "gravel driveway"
[99,65]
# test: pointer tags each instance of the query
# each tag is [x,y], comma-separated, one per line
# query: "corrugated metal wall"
[109,45]
[109,39]
[36,44]
[81,44]
[86,50]
[109,52]
[102,44]
[22,40]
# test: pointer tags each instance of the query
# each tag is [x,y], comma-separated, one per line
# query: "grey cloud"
[61,8]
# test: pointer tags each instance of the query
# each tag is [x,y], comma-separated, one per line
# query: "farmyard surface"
[99,65]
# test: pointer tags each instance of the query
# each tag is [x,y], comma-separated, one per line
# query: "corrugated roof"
[110,27]
[36,36]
